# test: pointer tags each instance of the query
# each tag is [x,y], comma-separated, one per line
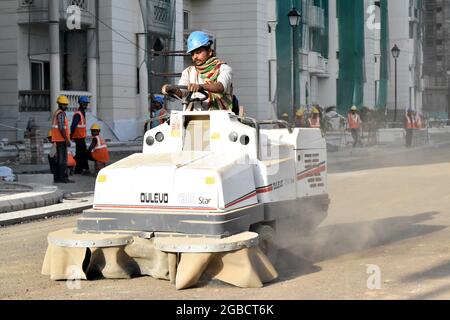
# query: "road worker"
[98,150]
[78,135]
[354,124]
[61,136]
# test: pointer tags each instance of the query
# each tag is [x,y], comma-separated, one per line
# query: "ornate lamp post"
[294,20]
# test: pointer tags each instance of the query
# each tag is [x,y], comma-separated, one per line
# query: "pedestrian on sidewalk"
[354,124]
[98,150]
[78,135]
[61,136]
[410,124]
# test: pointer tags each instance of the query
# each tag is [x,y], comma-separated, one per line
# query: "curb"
[66,208]
[38,196]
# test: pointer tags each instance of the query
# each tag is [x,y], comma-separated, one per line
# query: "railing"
[73,97]
[317,64]
[36,11]
[34,101]
[82,4]
[159,15]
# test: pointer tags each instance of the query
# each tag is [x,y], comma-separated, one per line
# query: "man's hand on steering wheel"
[194,87]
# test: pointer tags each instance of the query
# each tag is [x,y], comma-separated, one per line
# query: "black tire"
[267,241]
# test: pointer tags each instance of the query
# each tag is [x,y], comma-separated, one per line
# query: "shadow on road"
[336,240]
[434,273]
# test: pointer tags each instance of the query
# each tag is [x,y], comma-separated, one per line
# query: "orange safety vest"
[418,123]
[410,123]
[70,160]
[100,152]
[354,121]
[80,130]
[314,123]
[56,133]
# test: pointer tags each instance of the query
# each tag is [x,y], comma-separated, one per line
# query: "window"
[40,75]
[186,21]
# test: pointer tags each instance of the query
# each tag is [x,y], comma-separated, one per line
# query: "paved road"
[389,214]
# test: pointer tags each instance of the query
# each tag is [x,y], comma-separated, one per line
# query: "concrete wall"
[328,86]
[118,101]
[9,30]
[242,41]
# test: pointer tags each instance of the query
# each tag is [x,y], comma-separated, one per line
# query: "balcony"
[39,101]
[159,16]
[36,11]
[34,101]
[317,64]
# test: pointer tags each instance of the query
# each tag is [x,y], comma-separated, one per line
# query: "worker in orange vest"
[78,135]
[410,124]
[354,124]
[314,121]
[61,136]
[98,150]
[71,163]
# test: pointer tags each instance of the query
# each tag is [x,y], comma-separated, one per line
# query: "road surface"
[386,237]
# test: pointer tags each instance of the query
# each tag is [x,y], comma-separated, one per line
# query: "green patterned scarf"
[209,72]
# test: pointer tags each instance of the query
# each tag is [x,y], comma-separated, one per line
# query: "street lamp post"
[294,20]
[395,53]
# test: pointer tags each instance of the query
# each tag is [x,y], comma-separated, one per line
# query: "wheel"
[267,241]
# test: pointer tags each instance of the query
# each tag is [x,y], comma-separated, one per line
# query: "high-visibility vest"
[314,122]
[80,130]
[100,152]
[418,123]
[56,133]
[70,160]
[410,122]
[354,121]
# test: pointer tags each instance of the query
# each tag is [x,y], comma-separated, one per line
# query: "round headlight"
[150,141]
[245,140]
[159,137]
[233,137]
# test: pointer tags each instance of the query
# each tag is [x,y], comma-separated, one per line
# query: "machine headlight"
[245,140]
[159,137]
[150,141]
[233,137]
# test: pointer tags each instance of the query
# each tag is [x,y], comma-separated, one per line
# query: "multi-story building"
[406,31]
[118,53]
[436,99]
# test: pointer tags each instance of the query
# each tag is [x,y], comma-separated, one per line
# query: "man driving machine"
[209,76]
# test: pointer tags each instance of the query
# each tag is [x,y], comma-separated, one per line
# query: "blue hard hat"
[158,99]
[83,99]
[198,39]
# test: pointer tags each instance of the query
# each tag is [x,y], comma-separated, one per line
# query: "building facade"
[119,53]
[406,31]
[436,99]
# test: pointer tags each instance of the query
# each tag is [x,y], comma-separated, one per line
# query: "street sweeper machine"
[212,196]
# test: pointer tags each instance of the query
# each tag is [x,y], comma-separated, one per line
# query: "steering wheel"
[188,99]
